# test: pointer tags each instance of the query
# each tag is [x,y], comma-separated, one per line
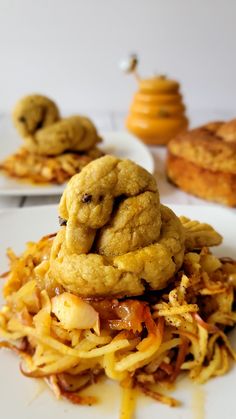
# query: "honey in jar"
[157,112]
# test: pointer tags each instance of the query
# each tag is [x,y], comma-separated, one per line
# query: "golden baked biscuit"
[203,148]
[90,137]
[198,235]
[213,126]
[89,198]
[134,224]
[203,162]
[34,112]
[74,133]
[156,263]
[54,149]
[117,239]
[228,131]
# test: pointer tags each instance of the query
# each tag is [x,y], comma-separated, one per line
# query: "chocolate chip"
[86,198]
[39,125]
[62,221]
[22,119]
[100,199]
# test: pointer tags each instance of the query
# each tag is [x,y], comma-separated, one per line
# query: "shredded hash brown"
[38,168]
[139,342]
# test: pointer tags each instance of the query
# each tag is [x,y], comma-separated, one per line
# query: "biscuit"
[34,112]
[211,185]
[203,162]
[117,239]
[198,235]
[74,133]
[228,131]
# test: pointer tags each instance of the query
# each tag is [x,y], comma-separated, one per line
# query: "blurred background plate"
[120,144]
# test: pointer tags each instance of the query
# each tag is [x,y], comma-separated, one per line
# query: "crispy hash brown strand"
[138,342]
[47,169]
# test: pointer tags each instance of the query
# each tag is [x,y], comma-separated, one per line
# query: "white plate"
[25,398]
[120,144]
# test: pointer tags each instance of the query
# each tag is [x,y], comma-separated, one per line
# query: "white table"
[115,121]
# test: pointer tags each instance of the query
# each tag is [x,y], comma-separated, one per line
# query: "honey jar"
[157,112]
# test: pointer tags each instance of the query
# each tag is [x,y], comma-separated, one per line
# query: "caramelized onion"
[13,348]
[70,383]
[4,274]
[77,399]
[183,350]
[167,368]
[170,401]
[48,236]
[106,308]
[130,314]
[36,373]
[209,327]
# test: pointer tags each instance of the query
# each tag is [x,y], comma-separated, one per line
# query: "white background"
[70,49]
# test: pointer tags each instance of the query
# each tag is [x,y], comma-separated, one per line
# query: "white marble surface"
[115,121]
